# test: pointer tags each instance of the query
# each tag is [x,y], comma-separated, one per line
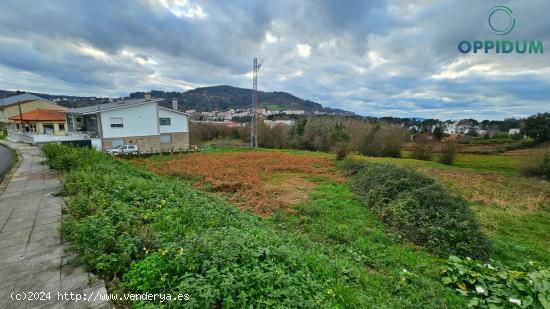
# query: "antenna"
[254,122]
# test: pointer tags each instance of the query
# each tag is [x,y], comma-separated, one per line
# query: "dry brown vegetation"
[263,182]
[515,195]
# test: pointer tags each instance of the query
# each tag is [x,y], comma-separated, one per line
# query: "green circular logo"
[499,13]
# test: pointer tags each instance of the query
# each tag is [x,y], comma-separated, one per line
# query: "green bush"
[67,158]
[159,235]
[495,286]
[419,210]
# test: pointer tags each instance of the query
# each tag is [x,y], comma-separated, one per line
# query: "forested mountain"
[203,99]
[227,97]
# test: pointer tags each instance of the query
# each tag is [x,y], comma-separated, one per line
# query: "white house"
[273,123]
[141,122]
[514,131]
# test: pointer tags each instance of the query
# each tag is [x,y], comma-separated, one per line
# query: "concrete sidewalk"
[32,256]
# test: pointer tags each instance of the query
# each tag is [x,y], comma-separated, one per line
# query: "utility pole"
[254,122]
[20,116]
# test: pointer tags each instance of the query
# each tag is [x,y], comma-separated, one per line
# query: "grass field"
[514,212]
[301,238]
[312,200]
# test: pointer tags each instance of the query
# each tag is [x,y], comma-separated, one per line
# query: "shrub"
[537,127]
[449,151]
[419,210]
[495,286]
[538,165]
[383,141]
[160,235]
[341,149]
[423,146]
[67,158]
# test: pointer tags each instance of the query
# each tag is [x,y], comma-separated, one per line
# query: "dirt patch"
[263,182]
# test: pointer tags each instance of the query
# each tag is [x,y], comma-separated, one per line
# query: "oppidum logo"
[501,22]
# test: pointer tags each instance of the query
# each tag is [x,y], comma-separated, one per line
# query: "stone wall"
[152,143]
[179,141]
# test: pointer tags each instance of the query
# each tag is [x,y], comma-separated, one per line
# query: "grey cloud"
[372,57]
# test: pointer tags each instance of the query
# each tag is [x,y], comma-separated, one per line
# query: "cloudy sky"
[379,58]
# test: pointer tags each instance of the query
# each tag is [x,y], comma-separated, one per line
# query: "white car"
[123,149]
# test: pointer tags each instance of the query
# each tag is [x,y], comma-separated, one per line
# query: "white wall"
[139,120]
[179,122]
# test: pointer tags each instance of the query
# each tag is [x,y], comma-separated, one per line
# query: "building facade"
[140,122]
[19,104]
[40,121]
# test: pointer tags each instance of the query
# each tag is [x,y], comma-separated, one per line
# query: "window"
[116,142]
[116,122]
[78,119]
[61,127]
[48,128]
[69,120]
[32,127]
[165,138]
[164,121]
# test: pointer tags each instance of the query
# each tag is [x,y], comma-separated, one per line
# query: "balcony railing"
[35,138]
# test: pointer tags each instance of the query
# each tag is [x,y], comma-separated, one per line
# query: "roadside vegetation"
[147,233]
[317,239]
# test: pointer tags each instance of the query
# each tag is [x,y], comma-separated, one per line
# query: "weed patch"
[492,285]
[159,235]
[246,177]
[419,210]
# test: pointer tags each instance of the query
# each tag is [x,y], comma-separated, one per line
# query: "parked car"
[123,149]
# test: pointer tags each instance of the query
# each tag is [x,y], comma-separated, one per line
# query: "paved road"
[5,159]
[32,256]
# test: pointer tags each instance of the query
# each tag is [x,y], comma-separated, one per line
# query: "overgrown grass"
[478,162]
[147,233]
[159,235]
[516,238]
[489,163]
[514,211]
[390,273]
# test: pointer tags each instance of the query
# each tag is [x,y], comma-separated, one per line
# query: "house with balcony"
[141,122]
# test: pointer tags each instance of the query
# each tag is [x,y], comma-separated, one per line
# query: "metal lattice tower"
[254,123]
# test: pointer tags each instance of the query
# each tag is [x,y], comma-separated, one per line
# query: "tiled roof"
[41,115]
